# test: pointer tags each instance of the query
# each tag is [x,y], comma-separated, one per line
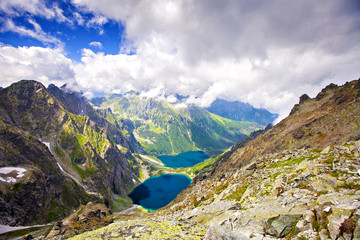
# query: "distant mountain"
[165,128]
[70,154]
[240,111]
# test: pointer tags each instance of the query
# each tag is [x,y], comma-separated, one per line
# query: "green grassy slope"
[164,128]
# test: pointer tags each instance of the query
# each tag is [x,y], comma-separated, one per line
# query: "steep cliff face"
[92,152]
[79,105]
[41,193]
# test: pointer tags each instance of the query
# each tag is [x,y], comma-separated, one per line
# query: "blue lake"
[157,192]
[185,159]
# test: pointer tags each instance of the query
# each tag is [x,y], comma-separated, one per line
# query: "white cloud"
[266,53]
[97,22]
[36,33]
[42,64]
[96,44]
[35,7]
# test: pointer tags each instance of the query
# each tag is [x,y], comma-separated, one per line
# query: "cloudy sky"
[264,52]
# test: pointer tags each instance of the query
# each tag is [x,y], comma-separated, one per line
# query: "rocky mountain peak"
[78,149]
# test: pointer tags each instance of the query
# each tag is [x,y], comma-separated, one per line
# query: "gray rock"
[306,223]
[347,236]
[281,225]
[216,232]
[357,215]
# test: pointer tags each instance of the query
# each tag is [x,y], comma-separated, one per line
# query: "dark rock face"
[43,194]
[38,132]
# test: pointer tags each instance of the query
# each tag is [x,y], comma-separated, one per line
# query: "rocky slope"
[165,128]
[297,180]
[240,111]
[66,156]
[42,193]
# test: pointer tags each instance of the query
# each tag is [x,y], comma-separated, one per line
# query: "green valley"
[165,128]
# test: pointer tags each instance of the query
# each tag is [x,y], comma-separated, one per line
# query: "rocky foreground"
[300,194]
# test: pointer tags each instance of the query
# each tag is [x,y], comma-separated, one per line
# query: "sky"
[264,52]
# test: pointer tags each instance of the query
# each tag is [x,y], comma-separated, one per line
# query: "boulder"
[281,225]
[216,232]
[86,218]
[306,223]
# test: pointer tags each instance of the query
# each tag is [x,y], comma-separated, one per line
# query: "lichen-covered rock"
[357,230]
[281,225]
[147,229]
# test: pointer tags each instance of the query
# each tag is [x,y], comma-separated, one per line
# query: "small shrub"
[293,232]
[348,226]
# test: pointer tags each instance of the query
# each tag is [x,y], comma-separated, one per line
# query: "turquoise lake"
[157,192]
[185,159]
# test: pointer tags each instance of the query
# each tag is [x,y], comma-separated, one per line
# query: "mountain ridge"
[240,111]
[95,154]
[165,128]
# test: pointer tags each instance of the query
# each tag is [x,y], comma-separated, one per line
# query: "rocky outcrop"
[86,218]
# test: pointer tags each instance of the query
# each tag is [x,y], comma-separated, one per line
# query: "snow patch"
[11,174]
[61,168]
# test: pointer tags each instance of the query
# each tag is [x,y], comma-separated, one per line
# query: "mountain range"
[298,179]
[171,128]
[63,151]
